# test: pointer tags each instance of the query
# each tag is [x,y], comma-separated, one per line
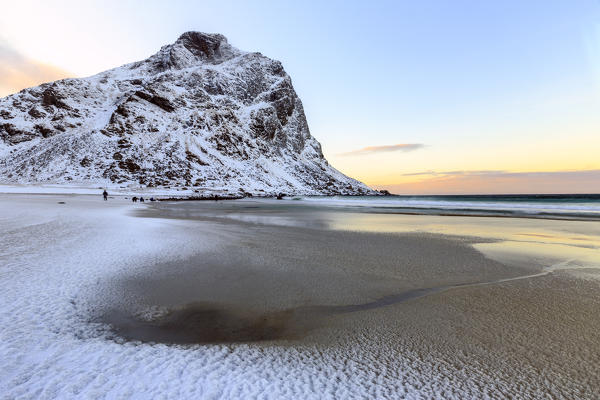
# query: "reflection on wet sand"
[530,243]
[207,323]
[218,323]
[286,270]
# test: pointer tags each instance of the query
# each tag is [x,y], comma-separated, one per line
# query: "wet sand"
[280,274]
[289,280]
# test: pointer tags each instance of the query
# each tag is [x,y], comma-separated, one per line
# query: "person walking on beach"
[105,195]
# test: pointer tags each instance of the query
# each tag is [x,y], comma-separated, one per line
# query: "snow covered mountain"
[199,114]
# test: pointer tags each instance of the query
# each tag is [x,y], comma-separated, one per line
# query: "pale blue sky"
[504,85]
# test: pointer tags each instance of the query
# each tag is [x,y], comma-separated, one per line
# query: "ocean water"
[557,206]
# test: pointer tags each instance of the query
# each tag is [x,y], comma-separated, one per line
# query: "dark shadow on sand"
[214,323]
[203,323]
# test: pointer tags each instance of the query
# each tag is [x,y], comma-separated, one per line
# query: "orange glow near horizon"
[554,161]
[498,182]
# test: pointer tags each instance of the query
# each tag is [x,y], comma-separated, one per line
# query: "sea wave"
[541,206]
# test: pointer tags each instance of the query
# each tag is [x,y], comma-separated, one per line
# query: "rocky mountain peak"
[203,45]
[199,114]
[192,48]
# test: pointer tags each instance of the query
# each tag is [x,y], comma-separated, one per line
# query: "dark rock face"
[52,98]
[44,130]
[202,45]
[199,113]
[13,135]
[161,102]
[35,113]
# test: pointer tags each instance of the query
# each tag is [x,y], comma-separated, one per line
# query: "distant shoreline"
[557,217]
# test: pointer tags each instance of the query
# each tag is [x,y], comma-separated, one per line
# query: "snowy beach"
[291,299]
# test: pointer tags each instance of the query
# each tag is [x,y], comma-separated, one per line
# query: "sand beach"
[271,299]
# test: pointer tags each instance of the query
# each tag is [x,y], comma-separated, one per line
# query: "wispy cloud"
[498,182]
[405,147]
[18,72]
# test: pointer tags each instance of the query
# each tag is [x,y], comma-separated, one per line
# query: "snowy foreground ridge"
[198,114]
